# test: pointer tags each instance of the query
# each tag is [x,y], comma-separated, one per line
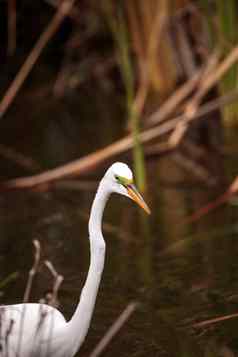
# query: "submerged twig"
[47,34]
[214,320]
[33,270]
[31,276]
[208,207]
[114,329]
[58,279]
[220,200]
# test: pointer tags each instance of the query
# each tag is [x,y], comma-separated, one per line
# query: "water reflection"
[190,279]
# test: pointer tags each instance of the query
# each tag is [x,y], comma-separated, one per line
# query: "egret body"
[39,330]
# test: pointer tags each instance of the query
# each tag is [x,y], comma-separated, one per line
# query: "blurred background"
[150,83]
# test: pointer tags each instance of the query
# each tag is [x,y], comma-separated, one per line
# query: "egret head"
[120,180]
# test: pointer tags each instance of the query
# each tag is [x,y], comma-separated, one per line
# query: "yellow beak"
[135,196]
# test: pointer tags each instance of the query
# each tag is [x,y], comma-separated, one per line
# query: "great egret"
[38,330]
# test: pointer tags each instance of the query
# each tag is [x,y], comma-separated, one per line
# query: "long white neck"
[79,323]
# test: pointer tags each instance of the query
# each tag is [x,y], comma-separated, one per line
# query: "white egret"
[38,330]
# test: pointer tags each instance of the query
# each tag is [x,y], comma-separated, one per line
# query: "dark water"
[180,274]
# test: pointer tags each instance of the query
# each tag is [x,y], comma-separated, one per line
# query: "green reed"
[119,28]
[223,31]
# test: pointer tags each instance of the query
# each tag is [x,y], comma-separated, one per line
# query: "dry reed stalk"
[74,13]
[90,161]
[27,66]
[163,72]
[33,270]
[182,92]
[214,320]
[58,279]
[146,15]
[135,29]
[221,69]
[144,63]
[137,43]
[86,163]
[186,50]
[146,22]
[211,79]
[171,104]
[192,106]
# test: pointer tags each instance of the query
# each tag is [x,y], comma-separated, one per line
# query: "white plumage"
[38,330]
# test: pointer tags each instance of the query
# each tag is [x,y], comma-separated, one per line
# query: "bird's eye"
[117,177]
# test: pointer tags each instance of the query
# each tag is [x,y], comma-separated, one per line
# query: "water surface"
[180,274]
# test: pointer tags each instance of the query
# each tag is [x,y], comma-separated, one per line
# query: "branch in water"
[114,329]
